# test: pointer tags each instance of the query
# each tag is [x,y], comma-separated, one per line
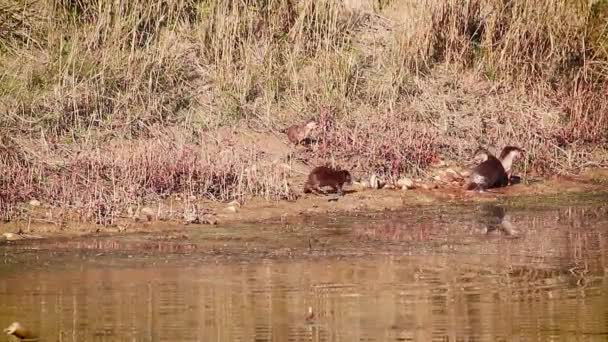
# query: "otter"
[20,332]
[493,172]
[297,134]
[488,174]
[324,176]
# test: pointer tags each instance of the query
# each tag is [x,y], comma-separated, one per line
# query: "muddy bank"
[175,213]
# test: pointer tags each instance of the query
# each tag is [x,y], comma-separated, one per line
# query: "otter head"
[346,176]
[481,155]
[510,154]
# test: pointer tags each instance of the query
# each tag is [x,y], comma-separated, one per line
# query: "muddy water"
[527,270]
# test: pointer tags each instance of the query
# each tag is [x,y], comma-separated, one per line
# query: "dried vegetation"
[106,103]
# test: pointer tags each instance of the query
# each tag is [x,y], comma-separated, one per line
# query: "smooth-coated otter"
[17,330]
[322,176]
[493,172]
[299,133]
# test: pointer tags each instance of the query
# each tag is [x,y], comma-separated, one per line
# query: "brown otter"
[322,176]
[487,175]
[493,172]
[20,332]
[299,133]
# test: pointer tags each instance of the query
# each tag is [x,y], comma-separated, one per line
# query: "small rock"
[209,220]
[452,172]
[438,163]
[35,203]
[405,183]
[451,175]
[389,186]
[362,184]
[235,203]
[231,209]
[148,213]
[425,186]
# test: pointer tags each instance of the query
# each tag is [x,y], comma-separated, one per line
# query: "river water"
[528,270]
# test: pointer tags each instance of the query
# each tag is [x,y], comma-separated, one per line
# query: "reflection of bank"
[496,219]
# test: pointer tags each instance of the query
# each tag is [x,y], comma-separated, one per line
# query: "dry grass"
[109,102]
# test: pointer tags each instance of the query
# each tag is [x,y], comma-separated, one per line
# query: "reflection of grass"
[532,202]
[599,180]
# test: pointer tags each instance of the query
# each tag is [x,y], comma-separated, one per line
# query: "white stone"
[405,183]
[231,209]
[373,182]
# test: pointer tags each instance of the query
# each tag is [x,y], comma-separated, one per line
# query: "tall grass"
[112,101]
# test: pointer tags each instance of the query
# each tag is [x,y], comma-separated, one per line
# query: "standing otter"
[322,176]
[299,133]
[493,172]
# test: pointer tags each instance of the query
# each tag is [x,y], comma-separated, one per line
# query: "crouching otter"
[322,176]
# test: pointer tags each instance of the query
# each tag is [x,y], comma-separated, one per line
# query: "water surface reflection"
[452,282]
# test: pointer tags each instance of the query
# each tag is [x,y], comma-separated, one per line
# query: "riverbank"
[172,214]
[111,111]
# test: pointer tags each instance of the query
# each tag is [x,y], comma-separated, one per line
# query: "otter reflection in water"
[496,219]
